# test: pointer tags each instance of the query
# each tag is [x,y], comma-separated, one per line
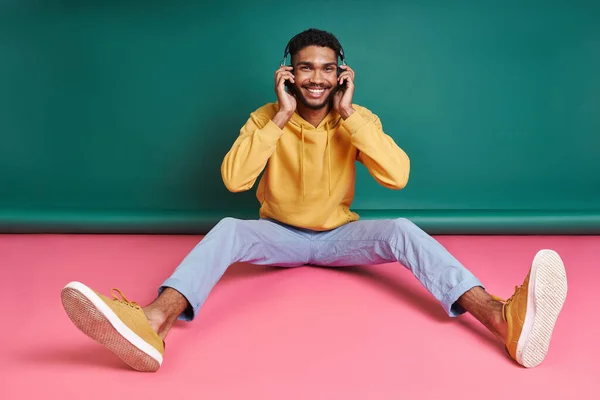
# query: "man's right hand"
[287,102]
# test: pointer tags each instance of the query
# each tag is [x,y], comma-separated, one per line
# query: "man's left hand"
[342,101]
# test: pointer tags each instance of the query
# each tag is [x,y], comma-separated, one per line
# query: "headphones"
[286,52]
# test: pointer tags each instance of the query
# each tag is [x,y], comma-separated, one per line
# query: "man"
[307,144]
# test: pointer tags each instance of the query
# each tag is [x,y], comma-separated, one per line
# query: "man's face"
[315,72]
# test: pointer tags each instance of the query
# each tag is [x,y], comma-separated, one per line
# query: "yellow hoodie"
[310,172]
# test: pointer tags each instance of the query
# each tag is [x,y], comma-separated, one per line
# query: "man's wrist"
[346,113]
[282,117]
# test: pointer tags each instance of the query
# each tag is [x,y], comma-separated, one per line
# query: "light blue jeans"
[360,243]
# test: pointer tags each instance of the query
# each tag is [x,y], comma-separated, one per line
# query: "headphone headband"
[287,51]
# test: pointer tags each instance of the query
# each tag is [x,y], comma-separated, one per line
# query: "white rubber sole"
[94,317]
[547,293]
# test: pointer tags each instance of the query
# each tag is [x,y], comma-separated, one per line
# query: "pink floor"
[306,333]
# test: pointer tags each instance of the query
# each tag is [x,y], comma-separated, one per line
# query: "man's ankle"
[499,327]
[486,310]
[155,317]
[163,312]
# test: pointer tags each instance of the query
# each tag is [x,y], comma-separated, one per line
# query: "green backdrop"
[115,115]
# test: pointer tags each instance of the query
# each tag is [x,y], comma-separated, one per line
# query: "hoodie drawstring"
[328,157]
[302,161]
[302,172]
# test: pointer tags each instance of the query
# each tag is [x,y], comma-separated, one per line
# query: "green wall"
[115,115]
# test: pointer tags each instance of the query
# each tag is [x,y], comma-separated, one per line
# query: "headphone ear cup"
[339,72]
[287,83]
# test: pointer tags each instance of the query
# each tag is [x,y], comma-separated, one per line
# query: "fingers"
[345,79]
[287,75]
[347,68]
[347,76]
[284,73]
[283,69]
[280,84]
[281,75]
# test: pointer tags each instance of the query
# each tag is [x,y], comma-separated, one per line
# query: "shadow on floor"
[89,355]
[417,298]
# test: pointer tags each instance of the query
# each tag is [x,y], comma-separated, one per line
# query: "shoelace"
[123,299]
[131,304]
[517,289]
[506,302]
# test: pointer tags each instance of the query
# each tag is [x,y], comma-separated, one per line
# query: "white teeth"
[316,91]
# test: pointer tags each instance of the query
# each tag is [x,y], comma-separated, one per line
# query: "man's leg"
[524,322]
[136,334]
[260,242]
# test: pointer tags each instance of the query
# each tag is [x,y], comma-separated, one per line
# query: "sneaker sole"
[547,293]
[94,317]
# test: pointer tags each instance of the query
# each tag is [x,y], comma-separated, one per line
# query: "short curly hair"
[314,37]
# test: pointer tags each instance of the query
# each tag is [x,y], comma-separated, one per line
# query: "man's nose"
[317,77]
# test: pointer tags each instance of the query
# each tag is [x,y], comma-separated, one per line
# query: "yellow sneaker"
[118,324]
[531,312]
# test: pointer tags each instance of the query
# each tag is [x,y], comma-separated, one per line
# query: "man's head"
[314,56]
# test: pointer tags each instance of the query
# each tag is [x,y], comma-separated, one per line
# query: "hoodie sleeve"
[387,163]
[250,152]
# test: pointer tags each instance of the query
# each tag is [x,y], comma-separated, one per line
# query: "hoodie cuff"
[270,133]
[354,123]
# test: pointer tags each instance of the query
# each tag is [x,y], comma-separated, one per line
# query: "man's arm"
[384,159]
[386,162]
[250,152]
[258,139]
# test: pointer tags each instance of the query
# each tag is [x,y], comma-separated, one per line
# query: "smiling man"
[307,144]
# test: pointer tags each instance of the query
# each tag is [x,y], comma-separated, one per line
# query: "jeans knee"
[403,224]
[227,222]
[402,227]
[226,225]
